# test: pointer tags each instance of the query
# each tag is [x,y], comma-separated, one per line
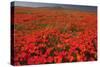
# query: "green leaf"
[67,47]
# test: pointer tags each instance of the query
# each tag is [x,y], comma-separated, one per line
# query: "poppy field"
[53,35]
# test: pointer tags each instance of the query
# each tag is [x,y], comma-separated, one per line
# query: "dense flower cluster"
[42,38]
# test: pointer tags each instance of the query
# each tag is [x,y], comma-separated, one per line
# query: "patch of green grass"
[75,56]
[23,62]
[42,25]
[18,26]
[67,47]
[24,12]
[63,30]
[74,28]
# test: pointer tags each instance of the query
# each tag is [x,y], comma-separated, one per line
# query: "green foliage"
[24,12]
